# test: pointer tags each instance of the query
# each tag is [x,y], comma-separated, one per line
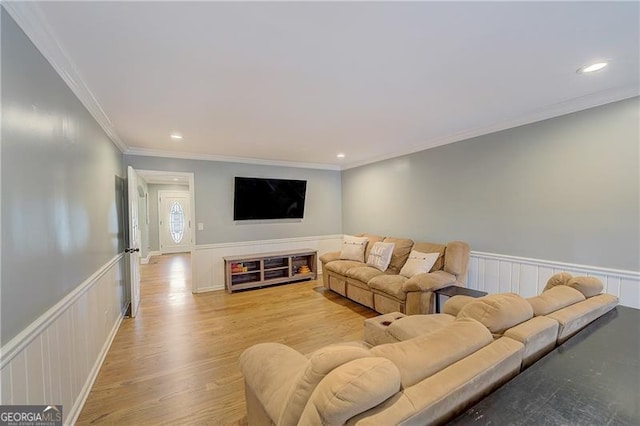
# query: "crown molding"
[227,159]
[550,111]
[30,19]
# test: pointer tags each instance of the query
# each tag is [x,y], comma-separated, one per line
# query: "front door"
[174,221]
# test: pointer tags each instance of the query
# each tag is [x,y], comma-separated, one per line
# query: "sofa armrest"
[270,369]
[330,257]
[429,282]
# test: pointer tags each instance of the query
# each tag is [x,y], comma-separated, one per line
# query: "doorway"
[174,221]
[154,181]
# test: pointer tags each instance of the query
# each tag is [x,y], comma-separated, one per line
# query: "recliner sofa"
[443,363]
[388,291]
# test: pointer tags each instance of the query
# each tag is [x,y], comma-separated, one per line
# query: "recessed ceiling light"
[176,136]
[592,68]
[175,179]
[341,155]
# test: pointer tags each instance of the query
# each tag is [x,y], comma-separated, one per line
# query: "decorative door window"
[176,222]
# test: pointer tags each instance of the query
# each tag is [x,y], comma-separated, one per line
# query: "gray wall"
[214,199]
[154,235]
[60,220]
[564,189]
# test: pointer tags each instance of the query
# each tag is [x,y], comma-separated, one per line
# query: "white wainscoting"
[495,273]
[208,265]
[56,359]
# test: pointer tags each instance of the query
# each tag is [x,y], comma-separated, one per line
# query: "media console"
[264,269]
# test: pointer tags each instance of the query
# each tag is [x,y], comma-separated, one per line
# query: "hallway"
[177,362]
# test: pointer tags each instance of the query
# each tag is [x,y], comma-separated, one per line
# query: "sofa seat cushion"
[389,284]
[425,355]
[417,325]
[575,317]
[498,312]
[342,266]
[554,299]
[363,273]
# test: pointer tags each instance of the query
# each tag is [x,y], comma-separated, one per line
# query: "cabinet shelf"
[269,269]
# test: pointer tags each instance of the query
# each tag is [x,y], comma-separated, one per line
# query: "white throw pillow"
[418,263]
[353,248]
[380,255]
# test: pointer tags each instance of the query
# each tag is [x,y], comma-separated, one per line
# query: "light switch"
[200,226]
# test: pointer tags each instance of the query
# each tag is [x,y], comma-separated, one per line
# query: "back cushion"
[498,312]
[561,278]
[554,299]
[425,355]
[432,248]
[400,253]
[350,390]
[321,363]
[589,286]
[372,240]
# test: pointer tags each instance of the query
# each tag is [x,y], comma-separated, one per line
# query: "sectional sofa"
[390,289]
[418,370]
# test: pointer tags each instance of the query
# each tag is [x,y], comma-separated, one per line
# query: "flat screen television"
[259,198]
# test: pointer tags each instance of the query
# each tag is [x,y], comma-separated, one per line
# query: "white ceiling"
[296,83]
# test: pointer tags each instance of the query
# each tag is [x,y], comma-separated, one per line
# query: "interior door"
[134,243]
[174,221]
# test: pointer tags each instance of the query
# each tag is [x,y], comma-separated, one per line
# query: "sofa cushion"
[432,248]
[498,312]
[321,363]
[400,253]
[425,355]
[573,318]
[389,284]
[363,273]
[553,299]
[380,255]
[454,304]
[351,389]
[342,266]
[589,286]
[418,263]
[353,248]
[417,325]
[372,239]
[561,278]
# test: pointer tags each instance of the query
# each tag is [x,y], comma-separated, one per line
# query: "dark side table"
[454,290]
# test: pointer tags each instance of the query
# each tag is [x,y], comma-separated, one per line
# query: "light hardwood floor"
[177,362]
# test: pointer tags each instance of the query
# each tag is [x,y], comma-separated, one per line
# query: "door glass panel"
[176,222]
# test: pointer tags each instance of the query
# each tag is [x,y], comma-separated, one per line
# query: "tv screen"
[258,198]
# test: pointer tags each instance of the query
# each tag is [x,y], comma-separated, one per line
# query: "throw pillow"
[418,263]
[380,255]
[353,248]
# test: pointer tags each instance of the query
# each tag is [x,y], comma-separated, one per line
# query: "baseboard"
[208,289]
[497,273]
[75,411]
[145,260]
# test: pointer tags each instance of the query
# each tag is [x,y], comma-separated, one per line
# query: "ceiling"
[296,83]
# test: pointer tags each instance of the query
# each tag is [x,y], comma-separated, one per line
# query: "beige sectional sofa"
[388,291]
[433,368]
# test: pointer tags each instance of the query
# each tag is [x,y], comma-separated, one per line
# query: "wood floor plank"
[177,362]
